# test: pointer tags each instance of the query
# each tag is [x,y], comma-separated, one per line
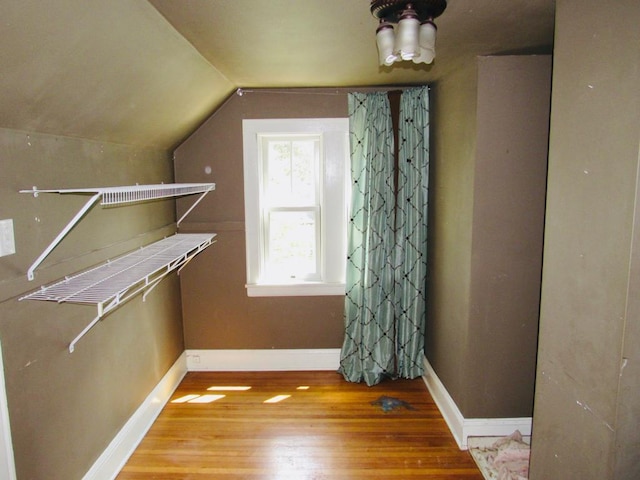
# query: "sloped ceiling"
[147,73]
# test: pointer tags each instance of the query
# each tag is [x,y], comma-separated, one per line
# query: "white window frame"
[334,191]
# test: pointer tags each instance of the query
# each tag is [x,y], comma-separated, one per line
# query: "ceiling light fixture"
[415,39]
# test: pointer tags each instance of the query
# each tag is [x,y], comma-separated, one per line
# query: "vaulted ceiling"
[148,73]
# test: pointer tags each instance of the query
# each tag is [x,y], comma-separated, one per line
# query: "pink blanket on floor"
[509,457]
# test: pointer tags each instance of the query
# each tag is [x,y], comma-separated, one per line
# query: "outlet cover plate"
[7,239]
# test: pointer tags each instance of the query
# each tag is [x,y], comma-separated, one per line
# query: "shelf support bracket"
[62,234]
[72,345]
[192,207]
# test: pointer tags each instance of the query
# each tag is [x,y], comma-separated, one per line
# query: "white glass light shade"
[427,37]
[385,41]
[408,35]
[427,42]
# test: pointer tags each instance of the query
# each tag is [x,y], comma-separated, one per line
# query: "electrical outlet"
[7,240]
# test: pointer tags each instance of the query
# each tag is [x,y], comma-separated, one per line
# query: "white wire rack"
[119,196]
[134,193]
[113,283]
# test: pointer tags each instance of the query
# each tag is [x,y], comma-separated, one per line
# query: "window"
[295,189]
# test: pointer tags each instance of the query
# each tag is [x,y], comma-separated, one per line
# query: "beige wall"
[217,312]
[508,224]
[65,408]
[453,134]
[487,216]
[587,404]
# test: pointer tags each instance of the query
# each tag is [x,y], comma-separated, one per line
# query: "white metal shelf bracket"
[191,208]
[72,345]
[62,234]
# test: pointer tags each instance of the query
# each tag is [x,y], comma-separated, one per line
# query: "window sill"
[296,290]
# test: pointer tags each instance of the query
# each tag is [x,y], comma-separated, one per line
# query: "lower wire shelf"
[116,281]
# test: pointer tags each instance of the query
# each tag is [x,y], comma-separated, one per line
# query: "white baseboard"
[462,428]
[125,442]
[263,360]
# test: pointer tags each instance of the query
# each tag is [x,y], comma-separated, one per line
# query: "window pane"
[278,167]
[291,171]
[292,249]
[303,171]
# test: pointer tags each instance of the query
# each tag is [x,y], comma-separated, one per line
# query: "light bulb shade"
[427,42]
[425,56]
[385,41]
[427,35]
[408,35]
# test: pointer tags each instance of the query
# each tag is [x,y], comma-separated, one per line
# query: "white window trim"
[335,146]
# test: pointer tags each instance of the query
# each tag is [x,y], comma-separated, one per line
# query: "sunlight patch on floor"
[198,399]
[209,398]
[277,399]
[230,388]
[184,399]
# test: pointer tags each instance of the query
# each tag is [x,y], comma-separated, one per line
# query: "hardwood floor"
[328,430]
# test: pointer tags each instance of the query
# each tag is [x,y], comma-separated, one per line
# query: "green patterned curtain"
[386,256]
[411,231]
[368,349]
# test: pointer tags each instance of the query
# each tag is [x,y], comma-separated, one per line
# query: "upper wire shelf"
[134,193]
[119,196]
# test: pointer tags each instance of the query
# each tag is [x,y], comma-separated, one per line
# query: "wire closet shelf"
[111,196]
[111,284]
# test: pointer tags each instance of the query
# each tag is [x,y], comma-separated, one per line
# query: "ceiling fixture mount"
[415,39]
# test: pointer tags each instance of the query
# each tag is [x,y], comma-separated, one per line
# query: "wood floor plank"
[328,430]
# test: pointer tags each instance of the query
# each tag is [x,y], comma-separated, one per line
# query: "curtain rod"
[317,90]
[309,91]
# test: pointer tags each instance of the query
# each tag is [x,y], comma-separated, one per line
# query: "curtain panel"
[386,251]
